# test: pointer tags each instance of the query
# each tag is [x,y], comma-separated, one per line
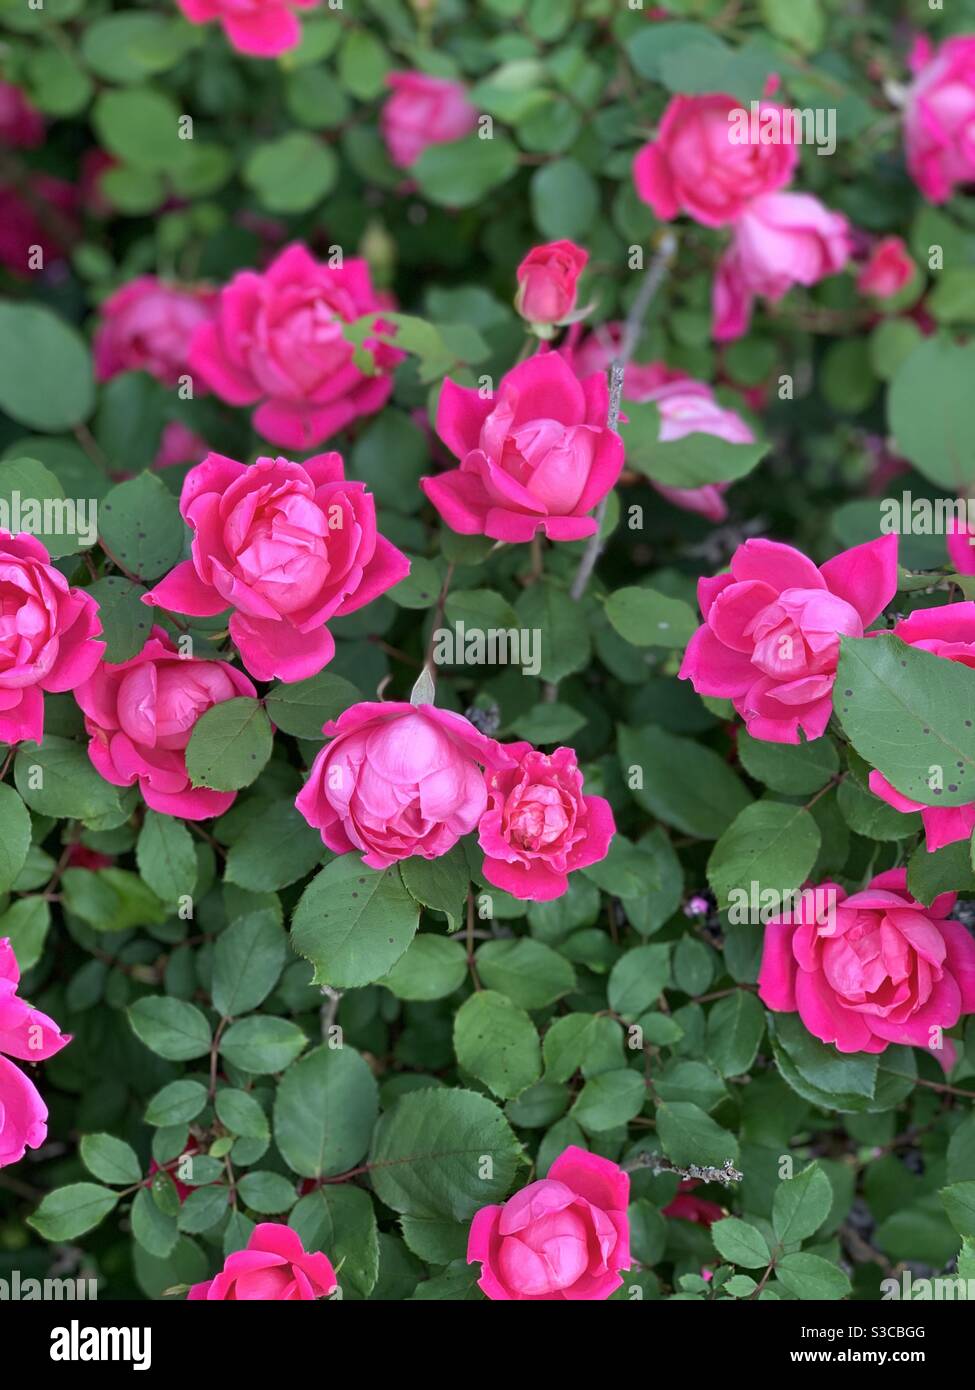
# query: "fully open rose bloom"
[548,281]
[877,969]
[888,270]
[398,780]
[695,165]
[948,632]
[780,240]
[47,635]
[423,111]
[537,454]
[566,1236]
[939,117]
[261,28]
[539,826]
[277,338]
[147,326]
[771,635]
[30,1036]
[287,545]
[274,1267]
[140,714]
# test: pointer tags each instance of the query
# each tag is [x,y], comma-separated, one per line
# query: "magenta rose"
[30,1036]
[539,826]
[147,326]
[21,228]
[274,1267]
[537,454]
[179,444]
[21,124]
[877,969]
[260,28]
[771,635]
[548,281]
[948,632]
[566,1236]
[278,338]
[287,546]
[47,636]
[397,780]
[960,543]
[423,111]
[140,714]
[695,166]
[939,117]
[888,270]
[779,240]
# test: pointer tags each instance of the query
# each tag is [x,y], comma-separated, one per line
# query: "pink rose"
[960,542]
[948,632]
[538,826]
[939,120]
[30,1036]
[274,1267]
[535,455]
[147,326]
[567,1236]
[880,969]
[278,338]
[696,166]
[398,780]
[780,240]
[47,632]
[261,28]
[548,281]
[21,126]
[770,639]
[287,546]
[179,444]
[423,111]
[687,1207]
[889,269]
[140,714]
[42,213]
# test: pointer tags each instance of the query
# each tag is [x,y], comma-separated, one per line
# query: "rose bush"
[485,517]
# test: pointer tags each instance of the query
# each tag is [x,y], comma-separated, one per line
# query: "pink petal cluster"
[537,454]
[275,1267]
[423,111]
[695,166]
[948,632]
[961,549]
[939,118]
[22,228]
[287,546]
[779,240]
[30,1036]
[21,125]
[397,780]
[879,969]
[147,326]
[548,281]
[277,338]
[564,1237]
[888,270]
[179,444]
[140,714]
[770,638]
[260,28]
[47,636]
[538,825]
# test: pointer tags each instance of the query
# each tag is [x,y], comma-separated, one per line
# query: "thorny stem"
[726,1174]
[470,940]
[438,617]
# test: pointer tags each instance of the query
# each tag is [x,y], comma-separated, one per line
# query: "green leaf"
[906,711]
[548,722]
[128,48]
[326,1106]
[801,22]
[497,1043]
[110,1159]
[946,870]
[463,172]
[694,461]
[681,782]
[229,745]
[353,923]
[146,549]
[26,923]
[15,834]
[610,1099]
[443,1153]
[70,1211]
[441,884]
[32,499]
[277,848]
[166,855]
[266,1192]
[801,1205]
[735,1028]
[126,621]
[303,707]
[794,769]
[566,645]
[154,1229]
[959,1203]
[171,1028]
[648,619]
[141,127]
[564,198]
[637,979]
[688,1135]
[530,973]
[589,1042]
[262,1044]
[812,1277]
[239,1112]
[740,1243]
[931,414]
[341,1221]
[177,1103]
[247,962]
[202,1209]
[771,844]
[31,334]
[431,968]
[291,173]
